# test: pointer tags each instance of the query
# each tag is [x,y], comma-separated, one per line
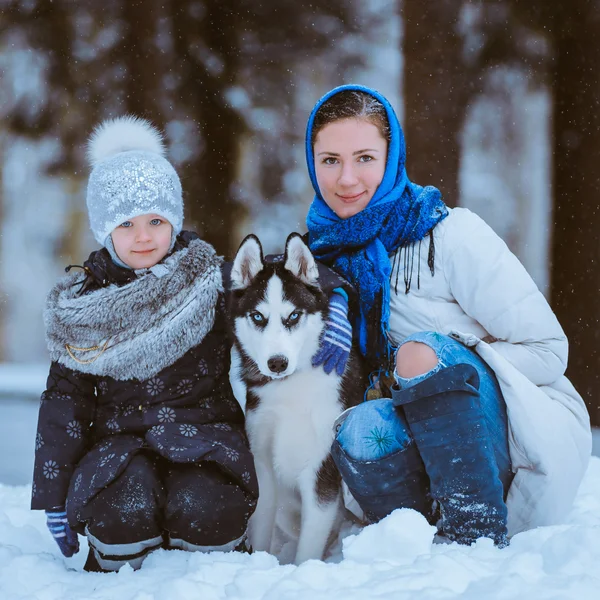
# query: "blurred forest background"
[499,101]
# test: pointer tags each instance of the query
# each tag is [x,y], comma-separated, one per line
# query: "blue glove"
[64,536]
[337,338]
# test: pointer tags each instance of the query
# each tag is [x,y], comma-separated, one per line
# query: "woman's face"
[350,157]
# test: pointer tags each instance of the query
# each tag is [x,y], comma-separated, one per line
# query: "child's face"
[142,241]
[350,157]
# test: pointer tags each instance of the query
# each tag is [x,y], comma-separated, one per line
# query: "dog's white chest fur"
[292,427]
[291,432]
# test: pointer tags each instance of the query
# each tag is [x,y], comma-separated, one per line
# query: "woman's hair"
[351,104]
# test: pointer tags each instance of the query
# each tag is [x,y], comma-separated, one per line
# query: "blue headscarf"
[400,214]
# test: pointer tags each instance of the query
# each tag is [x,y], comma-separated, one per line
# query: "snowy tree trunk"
[435,93]
[143,60]
[210,57]
[576,251]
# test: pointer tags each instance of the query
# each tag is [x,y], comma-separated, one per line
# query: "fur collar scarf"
[135,329]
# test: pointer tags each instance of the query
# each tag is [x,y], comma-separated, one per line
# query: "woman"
[484,434]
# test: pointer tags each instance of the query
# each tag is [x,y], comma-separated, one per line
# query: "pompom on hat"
[130,177]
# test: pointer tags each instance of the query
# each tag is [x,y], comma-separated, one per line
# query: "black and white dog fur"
[278,314]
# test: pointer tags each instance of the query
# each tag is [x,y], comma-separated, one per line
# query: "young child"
[140,443]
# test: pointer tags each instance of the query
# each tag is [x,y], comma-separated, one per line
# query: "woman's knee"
[414,359]
[372,430]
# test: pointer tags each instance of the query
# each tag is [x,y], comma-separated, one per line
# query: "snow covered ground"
[395,559]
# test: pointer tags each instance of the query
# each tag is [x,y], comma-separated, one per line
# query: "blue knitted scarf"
[399,215]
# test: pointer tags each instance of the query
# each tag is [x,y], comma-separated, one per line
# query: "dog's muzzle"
[277,364]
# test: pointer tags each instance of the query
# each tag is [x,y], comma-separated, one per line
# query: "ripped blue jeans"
[385,466]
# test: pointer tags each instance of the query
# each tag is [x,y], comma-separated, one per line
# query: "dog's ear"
[299,260]
[248,263]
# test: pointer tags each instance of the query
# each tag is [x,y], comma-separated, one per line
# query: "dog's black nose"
[277,364]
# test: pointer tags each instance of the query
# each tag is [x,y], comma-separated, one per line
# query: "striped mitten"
[64,536]
[336,342]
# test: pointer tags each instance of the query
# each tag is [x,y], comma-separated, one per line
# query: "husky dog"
[278,314]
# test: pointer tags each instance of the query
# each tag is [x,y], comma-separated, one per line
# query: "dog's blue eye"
[294,317]
[257,317]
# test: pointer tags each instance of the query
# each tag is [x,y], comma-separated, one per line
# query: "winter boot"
[390,473]
[244,546]
[92,565]
[449,429]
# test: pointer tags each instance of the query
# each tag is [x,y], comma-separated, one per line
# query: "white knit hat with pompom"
[130,177]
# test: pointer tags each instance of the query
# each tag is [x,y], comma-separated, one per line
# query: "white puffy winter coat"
[481,289]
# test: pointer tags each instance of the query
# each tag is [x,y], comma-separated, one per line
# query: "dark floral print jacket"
[91,425]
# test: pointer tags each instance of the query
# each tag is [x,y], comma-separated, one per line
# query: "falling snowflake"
[50,469]
[222,426]
[155,386]
[166,415]
[74,429]
[157,429]
[184,387]
[106,459]
[188,430]
[39,442]
[246,477]
[78,479]
[380,440]
[112,424]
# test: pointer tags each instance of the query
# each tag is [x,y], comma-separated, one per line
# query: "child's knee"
[372,430]
[206,510]
[128,518]
[129,509]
